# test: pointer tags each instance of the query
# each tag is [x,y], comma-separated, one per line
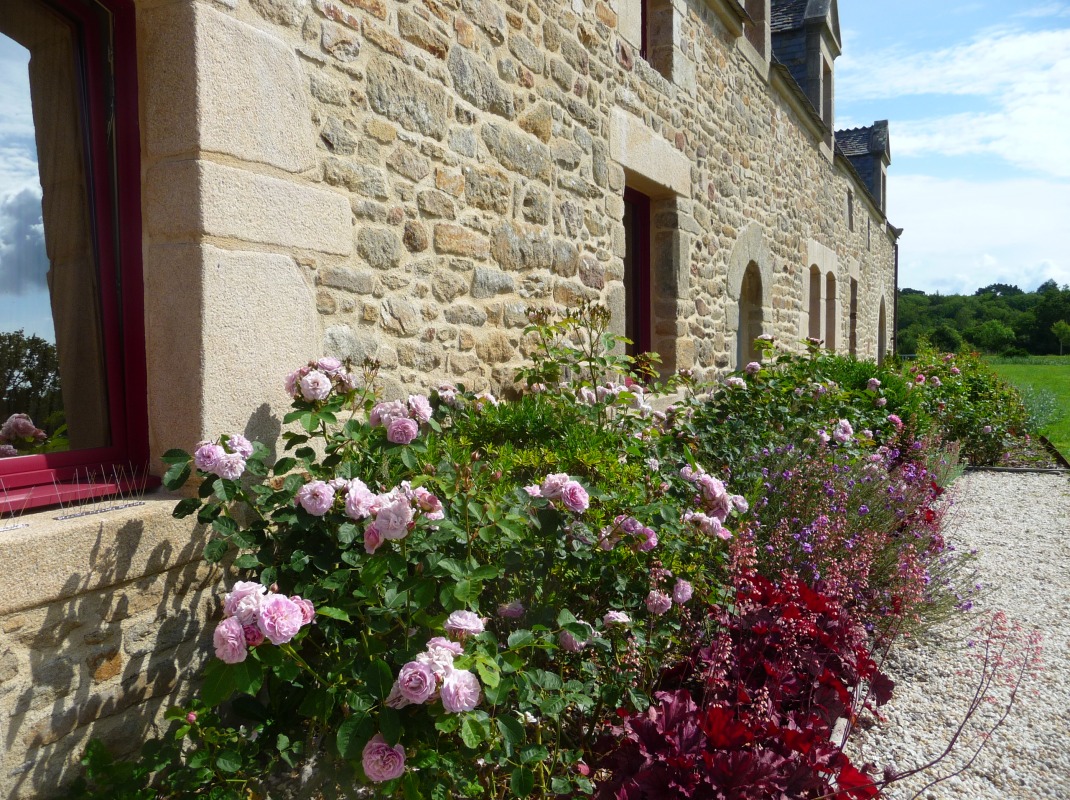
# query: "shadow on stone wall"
[103,661]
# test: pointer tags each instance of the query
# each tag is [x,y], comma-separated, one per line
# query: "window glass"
[53,381]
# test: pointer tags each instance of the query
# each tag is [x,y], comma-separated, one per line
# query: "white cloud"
[960,235]
[1049,10]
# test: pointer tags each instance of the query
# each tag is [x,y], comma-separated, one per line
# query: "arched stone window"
[750,283]
[814,327]
[882,340]
[853,339]
[832,317]
[751,317]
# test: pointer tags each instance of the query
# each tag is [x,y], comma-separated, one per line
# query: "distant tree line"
[999,319]
[29,379]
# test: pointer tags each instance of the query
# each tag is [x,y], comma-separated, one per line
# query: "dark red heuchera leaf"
[856,784]
[723,730]
[881,686]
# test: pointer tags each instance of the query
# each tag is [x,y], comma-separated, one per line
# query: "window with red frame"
[72,375]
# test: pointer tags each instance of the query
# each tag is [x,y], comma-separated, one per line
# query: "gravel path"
[1020,526]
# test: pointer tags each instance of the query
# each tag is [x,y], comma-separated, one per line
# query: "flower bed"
[567,593]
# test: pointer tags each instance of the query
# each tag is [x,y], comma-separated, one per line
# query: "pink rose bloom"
[447,393]
[254,637]
[207,455]
[569,643]
[386,411]
[229,466]
[417,682]
[881,402]
[429,505]
[689,474]
[575,497]
[382,762]
[511,610]
[533,491]
[586,396]
[935,381]
[402,431]
[18,426]
[372,539]
[658,603]
[442,643]
[616,618]
[484,399]
[986,429]
[329,364]
[280,618]
[873,384]
[739,503]
[308,611]
[243,601]
[753,368]
[315,385]
[553,485]
[650,539]
[419,407]
[919,379]
[229,641]
[293,380]
[682,591]
[240,445]
[359,500]
[822,436]
[460,691]
[316,497]
[394,515]
[735,382]
[463,623]
[843,432]
[895,420]
[7,451]
[715,496]
[955,371]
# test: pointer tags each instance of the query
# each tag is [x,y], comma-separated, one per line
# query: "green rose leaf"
[522,782]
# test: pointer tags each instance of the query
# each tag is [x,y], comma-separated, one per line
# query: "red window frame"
[637,290]
[103,28]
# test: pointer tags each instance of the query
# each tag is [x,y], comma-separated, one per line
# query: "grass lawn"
[1045,381]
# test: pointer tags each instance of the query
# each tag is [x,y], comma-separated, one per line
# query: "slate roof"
[864,141]
[787,15]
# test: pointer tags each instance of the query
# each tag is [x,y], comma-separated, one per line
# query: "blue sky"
[977,94]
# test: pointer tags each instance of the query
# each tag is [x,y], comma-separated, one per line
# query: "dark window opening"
[830,311]
[751,317]
[853,338]
[72,398]
[814,327]
[637,288]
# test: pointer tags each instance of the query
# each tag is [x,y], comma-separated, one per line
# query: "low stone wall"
[103,622]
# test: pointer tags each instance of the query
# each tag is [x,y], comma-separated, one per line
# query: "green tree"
[29,378]
[1061,329]
[991,336]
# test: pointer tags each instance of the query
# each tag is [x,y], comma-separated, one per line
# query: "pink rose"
[359,500]
[753,368]
[293,380]
[658,603]
[586,396]
[986,429]
[955,371]
[739,503]
[735,382]
[254,637]
[280,618]
[7,451]
[463,623]
[881,402]
[315,385]
[372,539]
[682,591]
[935,381]
[243,601]
[18,426]
[229,641]
[439,655]
[229,466]
[511,610]
[843,432]
[207,455]
[308,611]
[240,445]
[316,497]
[920,379]
[419,407]
[386,411]
[553,485]
[430,505]
[616,618]
[329,364]
[382,762]
[873,384]
[650,539]
[533,491]
[394,515]
[575,497]
[460,691]
[442,643]
[417,682]
[569,643]
[402,431]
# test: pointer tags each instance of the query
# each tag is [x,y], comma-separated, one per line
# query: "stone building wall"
[401,180]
